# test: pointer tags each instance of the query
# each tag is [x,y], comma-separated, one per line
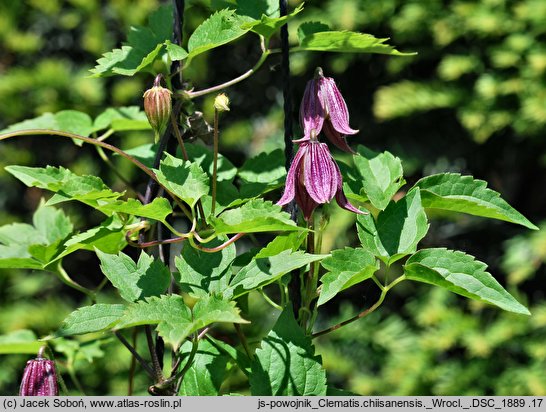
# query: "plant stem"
[217,248]
[132,366]
[63,276]
[158,372]
[263,57]
[214,162]
[139,358]
[243,340]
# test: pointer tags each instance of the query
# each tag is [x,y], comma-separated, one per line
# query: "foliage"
[217,282]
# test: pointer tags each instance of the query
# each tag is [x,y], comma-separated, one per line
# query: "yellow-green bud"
[158,106]
[221,103]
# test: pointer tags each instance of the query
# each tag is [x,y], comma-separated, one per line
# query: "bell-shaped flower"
[324,109]
[314,178]
[39,378]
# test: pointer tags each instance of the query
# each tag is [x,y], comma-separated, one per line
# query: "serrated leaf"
[462,274]
[204,158]
[66,184]
[144,45]
[121,119]
[145,153]
[240,358]
[396,231]
[108,237]
[135,281]
[309,27]
[175,52]
[174,319]
[204,273]
[254,216]
[267,26]
[347,42]
[451,191]
[286,364]
[184,179]
[256,8]
[20,341]
[287,241]
[222,27]
[381,173]
[90,319]
[207,372]
[346,267]
[71,121]
[265,168]
[263,271]
[158,209]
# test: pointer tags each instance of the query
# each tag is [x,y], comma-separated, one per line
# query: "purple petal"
[319,170]
[293,176]
[311,109]
[336,106]
[336,138]
[341,199]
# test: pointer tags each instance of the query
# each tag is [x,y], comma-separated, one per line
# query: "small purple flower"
[314,178]
[39,378]
[323,108]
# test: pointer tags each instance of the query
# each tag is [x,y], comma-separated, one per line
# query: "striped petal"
[293,176]
[311,109]
[335,106]
[319,170]
[336,138]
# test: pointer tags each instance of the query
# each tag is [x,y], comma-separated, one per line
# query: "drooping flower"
[39,378]
[324,109]
[158,106]
[314,178]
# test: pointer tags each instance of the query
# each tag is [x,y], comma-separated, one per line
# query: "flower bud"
[158,106]
[39,378]
[221,103]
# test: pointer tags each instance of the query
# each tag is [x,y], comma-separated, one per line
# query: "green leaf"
[347,42]
[268,26]
[263,271]
[185,179]
[381,174]
[52,223]
[460,273]
[346,267]
[204,273]
[90,319]
[71,121]
[396,231]
[256,8]
[175,52]
[222,27]
[451,191]
[158,209]
[204,158]
[145,153]
[207,372]
[20,341]
[267,168]
[310,27]
[66,185]
[286,364]
[135,281]
[121,119]
[256,215]
[145,44]
[108,237]
[287,241]
[240,358]
[174,319]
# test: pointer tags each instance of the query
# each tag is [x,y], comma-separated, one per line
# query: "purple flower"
[323,108]
[39,378]
[314,178]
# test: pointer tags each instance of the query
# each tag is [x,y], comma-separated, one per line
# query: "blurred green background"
[472,101]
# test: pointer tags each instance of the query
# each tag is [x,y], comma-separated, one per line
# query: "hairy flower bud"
[39,378]
[158,106]
[221,103]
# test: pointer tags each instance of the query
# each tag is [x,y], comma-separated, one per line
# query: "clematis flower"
[39,378]
[314,178]
[324,109]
